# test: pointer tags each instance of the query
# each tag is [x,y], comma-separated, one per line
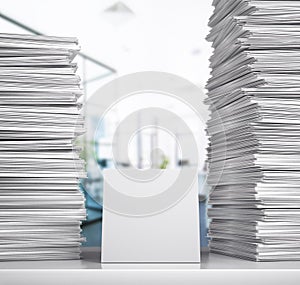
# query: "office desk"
[214,269]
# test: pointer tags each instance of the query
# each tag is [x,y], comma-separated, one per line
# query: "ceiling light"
[118,14]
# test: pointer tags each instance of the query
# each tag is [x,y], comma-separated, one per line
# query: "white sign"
[150,216]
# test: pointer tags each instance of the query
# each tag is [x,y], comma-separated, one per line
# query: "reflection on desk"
[91,260]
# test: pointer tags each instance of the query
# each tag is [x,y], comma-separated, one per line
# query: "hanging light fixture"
[118,14]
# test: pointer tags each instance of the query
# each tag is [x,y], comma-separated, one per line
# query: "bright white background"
[159,35]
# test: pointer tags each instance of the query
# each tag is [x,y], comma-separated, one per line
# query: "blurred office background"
[119,38]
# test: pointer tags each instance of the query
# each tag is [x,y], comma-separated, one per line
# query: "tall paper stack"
[41,207]
[254,129]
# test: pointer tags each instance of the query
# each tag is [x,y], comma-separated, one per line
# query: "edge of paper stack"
[41,206]
[254,129]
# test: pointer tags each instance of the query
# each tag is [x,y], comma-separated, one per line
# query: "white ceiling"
[164,35]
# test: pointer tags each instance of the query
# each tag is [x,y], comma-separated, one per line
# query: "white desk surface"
[214,269]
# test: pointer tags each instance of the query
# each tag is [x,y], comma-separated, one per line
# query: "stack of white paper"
[41,207]
[254,129]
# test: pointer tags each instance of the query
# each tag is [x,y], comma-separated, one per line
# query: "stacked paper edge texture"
[254,129]
[41,206]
